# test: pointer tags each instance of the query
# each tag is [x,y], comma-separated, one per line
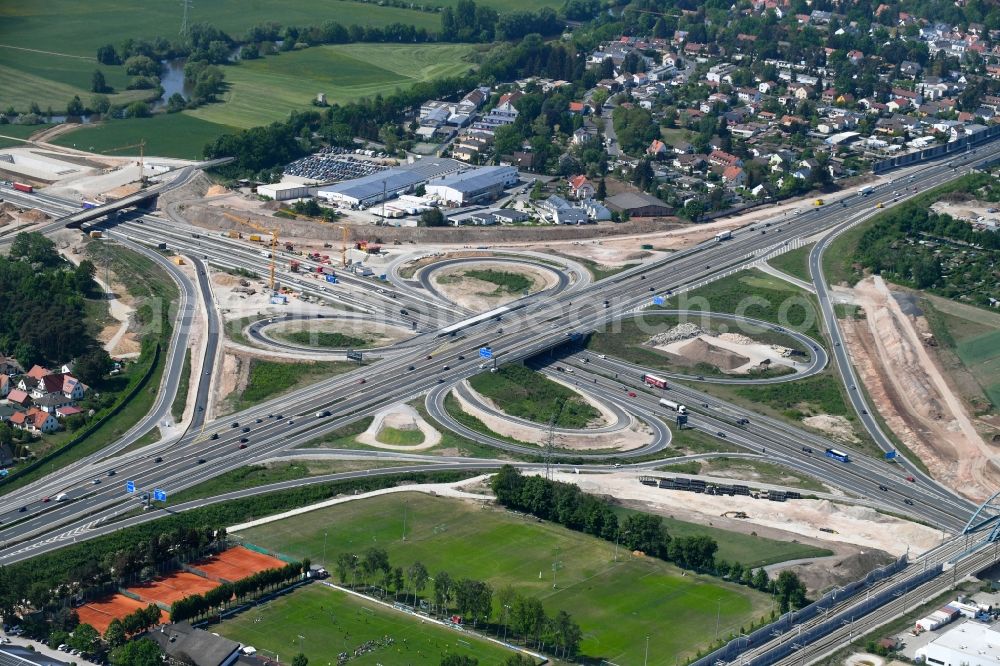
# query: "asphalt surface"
[523,334]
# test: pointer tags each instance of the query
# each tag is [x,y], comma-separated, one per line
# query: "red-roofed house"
[576,108]
[59,384]
[37,372]
[35,420]
[734,176]
[581,187]
[724,159]
[657,148]
[63,412]
[18,397]
[855,56]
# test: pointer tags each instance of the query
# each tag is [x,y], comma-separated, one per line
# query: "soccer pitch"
[617,604]
[322,622]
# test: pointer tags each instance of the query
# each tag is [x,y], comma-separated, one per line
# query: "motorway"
[522,334]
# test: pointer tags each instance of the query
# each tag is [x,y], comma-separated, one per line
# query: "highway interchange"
[536,324]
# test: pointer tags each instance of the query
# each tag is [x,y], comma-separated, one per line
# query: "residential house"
[748,95]
[37,372]
[581,188]
[53,384]
[690,163]
[582,136]
[576,108]
[5,385]
[656,149]
[855,57]
[683,148]
[724,159]
[19,397]
[734,176]
[638,204]
[35,420]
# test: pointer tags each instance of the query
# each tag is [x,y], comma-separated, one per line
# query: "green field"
[981,355]
[506,282]
[16,132]
[265,90]
[794,262]
[333,340]
[613,601]
[272,378]
[166,135]
[324,622]
[522,392]
[75,28]
[400,437]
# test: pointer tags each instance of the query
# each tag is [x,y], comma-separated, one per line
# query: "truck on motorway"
[653,380]
[723,235]
[21,187]
[866,190]
[675,406]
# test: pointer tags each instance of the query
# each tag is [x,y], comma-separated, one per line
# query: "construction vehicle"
[818,202]
[96,234]
[274,242]
[289,247]
[293,266]
[234,234]
[255,238]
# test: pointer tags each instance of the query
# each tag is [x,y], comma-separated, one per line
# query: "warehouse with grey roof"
[482,184]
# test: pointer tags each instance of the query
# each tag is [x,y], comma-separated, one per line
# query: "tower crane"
[274,240]
[142,149]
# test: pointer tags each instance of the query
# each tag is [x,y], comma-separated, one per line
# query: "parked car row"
[331,164]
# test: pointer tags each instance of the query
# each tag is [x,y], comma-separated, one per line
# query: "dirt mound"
[216,190]
[35,215]
[699,351]
[678,332]
[826,573]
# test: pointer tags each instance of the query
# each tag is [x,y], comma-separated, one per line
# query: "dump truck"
[96,234]
[818,202]
[255,238]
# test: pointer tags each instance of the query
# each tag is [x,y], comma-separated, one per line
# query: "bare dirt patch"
[913,397]
[731,353]
[480,295]
[402,417]
[837,427]
[855,525]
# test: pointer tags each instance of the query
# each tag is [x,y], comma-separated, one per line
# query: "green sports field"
[330,622]
[265,90]
[166,135]
[613,601]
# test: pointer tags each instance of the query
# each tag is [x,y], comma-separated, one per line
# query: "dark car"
[410,368]
[440,380]
[158,459]
[236,424]
[461,357]
[260,420]
[908,501]
[721,434]
[215,435]
[201,461]
[111,472]
[242,446]
[807,449]
[244,440]
[247,429]
[362,380]
[882,488]
[22,509]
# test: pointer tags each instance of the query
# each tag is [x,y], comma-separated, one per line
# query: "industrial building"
[967,644]
[482,184]
[284,191]
[367,190]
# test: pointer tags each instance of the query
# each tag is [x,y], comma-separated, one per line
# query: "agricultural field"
[522,392]
[265,90]
[968,349]
[322,622]
[16,132]
[166,135]
[612,601]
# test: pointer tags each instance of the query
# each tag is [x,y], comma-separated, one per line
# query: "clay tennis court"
[236,563]
[173,587]
[99,614]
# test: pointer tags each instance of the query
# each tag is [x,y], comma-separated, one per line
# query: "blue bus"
[838,455]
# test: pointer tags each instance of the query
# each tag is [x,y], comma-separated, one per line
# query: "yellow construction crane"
[344,235]
[274,240]
[142,149]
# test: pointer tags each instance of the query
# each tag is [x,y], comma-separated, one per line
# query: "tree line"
[199,605]
[474,600]
[566,504]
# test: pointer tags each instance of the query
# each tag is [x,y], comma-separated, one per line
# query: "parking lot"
[332,164]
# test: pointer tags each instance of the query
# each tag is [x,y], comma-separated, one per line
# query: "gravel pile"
[679,332]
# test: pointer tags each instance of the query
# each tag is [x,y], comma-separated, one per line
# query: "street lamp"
[325,534]
[645,660]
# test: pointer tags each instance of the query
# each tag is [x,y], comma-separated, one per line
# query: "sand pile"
[35,215]
[700,351]
[675,334]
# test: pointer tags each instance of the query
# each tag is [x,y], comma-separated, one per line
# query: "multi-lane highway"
[521,334]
